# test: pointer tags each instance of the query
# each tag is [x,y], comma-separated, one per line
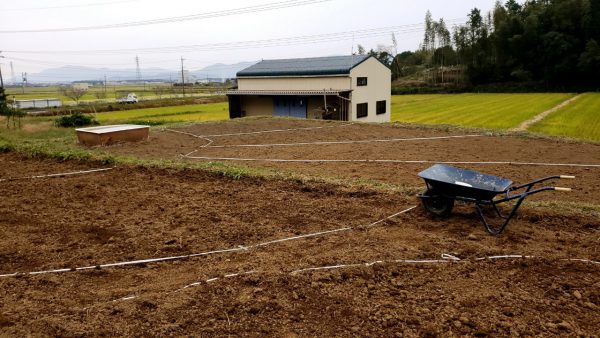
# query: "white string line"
[210,280]
[192,135]
[231,275]
[343,142]
[580,260]
[256,132]
[302,236]
[80,172]
[276,130]
[214,158]
[182,257]
[210,141]
[445,258]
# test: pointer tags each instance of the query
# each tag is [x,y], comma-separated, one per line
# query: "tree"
[555,43]
[437,46]
[383,54]
[100,95]
[5,109]
[361,50]
[9,112]
[73,93]
[159,91]
[589,61]
[429,32]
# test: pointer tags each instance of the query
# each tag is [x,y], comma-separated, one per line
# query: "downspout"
[325,101]
[349,108]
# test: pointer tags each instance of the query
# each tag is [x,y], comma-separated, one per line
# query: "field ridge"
[526,124]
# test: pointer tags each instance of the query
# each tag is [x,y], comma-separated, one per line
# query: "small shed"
[107,135]
[346,88]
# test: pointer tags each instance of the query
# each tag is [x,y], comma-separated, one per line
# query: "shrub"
[76,120]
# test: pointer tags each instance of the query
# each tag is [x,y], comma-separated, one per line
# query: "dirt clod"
[565,326]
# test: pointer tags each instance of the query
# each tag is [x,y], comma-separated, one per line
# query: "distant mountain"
[68,74]
[221,71]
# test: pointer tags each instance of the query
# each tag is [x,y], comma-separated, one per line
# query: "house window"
[361,81]
[362,110]
[381,105]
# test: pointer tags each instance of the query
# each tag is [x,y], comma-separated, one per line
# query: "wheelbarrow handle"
[530,185]
[562,189]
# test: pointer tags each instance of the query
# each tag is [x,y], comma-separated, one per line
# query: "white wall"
[378,88]
[294,83]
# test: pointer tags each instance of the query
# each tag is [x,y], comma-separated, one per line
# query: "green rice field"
[188,113]
[580,119]
[494,111]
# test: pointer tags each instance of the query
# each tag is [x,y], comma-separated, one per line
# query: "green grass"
[112,92]
[53,92]
[580,119]
[494,111]
[188,113]
[39,135]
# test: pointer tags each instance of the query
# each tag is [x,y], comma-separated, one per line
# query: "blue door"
[298,107]
[280,106]
[289,106]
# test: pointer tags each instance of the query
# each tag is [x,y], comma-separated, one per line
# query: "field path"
[526,124]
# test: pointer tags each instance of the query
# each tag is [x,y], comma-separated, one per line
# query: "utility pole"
[1,80]
[13,79]
[24,77]
[104,85]
[182,78]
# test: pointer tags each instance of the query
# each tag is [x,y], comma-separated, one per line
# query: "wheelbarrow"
[446,184]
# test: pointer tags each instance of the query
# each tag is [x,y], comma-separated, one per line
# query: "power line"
[166,65]
[298,40]
[61,63]
[200,16]
[69,6]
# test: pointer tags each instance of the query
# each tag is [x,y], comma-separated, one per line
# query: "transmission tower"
[13,79]
[138,72]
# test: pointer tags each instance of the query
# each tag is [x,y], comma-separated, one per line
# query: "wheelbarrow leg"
[498,230]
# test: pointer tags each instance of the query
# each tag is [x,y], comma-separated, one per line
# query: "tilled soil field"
[289,138]
[368,289]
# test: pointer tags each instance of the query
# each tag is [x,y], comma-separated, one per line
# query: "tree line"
[544,43]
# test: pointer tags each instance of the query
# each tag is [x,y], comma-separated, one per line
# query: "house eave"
[316,92]
[291,76]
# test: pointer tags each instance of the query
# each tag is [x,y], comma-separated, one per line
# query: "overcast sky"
[305,18]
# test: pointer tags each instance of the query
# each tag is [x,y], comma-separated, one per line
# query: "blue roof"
[331,65]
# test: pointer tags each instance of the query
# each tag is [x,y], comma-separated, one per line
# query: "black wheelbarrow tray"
[445,184]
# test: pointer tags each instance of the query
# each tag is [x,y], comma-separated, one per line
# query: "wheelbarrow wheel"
[436,204]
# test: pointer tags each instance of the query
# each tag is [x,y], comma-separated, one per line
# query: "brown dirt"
[131,213]
[586,188]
